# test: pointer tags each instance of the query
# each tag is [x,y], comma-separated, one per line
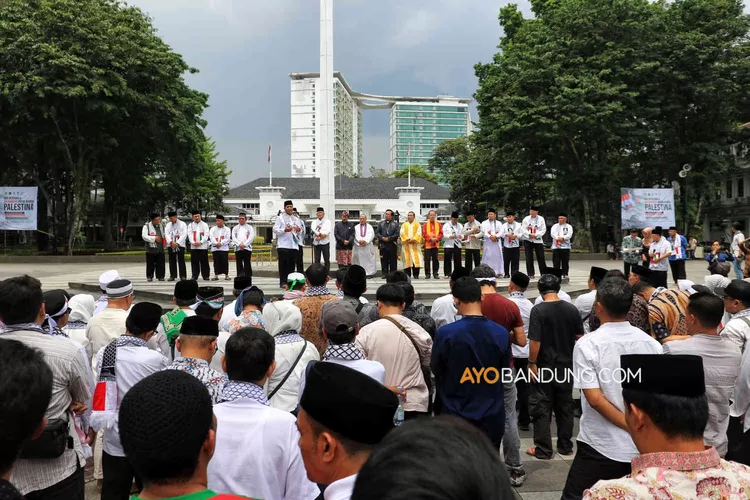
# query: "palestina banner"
[641,208]
[19,206]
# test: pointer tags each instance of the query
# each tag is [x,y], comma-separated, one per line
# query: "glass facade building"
[416,128]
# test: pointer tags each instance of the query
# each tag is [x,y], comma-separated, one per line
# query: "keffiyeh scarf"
[317,290]
[234,390]
[105,405]
[343,351]
[287,337]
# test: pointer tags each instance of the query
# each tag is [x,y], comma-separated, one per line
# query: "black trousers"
[72,487]
[451,257]
[221,263]
[412,270]
[431,262]
[544,398]
[678,270]
[287,261]
[299,260]
[325,252]
[588,467]
[177,258]
[522,391]
[530,249]
[738,449]
[118,478]
[627,268]
[561,259]
[511,260]
[473,258]
[155,265]
[659,278]
[244,261]
[199,263]
[388,259]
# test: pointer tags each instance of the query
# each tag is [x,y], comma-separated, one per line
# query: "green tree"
[416,172]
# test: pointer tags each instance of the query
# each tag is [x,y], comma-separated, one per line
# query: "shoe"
[517,477]
[194,278]
[161,279]
[215,278]
[565,453]
[427,276]
[565,276]
[525,428]
[532,452]
[531,277]
[446,277]
[171,278]
[227,278]
[436,277]
[149,279]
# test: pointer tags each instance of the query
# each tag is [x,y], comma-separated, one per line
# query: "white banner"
[641,208]
[19,205]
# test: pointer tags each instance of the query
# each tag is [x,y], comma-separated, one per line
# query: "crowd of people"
[319,393]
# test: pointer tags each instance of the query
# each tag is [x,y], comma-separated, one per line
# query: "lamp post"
[684,175]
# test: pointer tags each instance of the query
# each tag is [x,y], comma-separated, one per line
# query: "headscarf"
[282,316]
[239,305]
[82,308]
[716,281]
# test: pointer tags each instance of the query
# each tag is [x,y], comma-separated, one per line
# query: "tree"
[88,91]
[416,172]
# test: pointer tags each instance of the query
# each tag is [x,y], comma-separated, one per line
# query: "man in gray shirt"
[22,312]
[721,362]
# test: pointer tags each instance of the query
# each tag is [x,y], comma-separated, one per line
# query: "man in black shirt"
[387,233]
[25,392]
[554,327]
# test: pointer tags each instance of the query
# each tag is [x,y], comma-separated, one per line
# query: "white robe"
[365,255]
[493,250]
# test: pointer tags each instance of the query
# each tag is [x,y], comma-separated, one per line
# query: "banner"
[18,208]
[641,208]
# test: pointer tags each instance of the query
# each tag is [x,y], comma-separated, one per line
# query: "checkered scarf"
[105,401]
[343,351]
[317,290]
[234,390]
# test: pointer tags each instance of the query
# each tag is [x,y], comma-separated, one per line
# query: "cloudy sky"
[245,50]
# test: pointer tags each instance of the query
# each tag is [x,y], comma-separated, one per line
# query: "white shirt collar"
[341,489]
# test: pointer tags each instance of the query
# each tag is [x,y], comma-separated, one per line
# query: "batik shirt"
[701,474]
[200,369]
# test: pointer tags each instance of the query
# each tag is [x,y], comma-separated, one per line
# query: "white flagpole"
[270,167]
[408,163]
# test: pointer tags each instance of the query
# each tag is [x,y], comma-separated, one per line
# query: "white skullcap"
[108,277]
[686,286]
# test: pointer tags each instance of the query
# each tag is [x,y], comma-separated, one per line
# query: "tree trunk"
[587,221]
[109,210]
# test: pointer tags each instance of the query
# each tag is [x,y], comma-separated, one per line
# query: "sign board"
[18,206]
[641,208]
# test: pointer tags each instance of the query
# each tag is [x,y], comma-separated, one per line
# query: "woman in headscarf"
[283,321]
[247,308]
[81,310]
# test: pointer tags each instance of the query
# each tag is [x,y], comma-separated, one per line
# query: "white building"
[417,125]
[305,121]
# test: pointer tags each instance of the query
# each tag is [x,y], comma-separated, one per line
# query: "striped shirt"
[70,383]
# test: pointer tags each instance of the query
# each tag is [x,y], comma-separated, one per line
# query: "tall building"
[347,126]
[418,126]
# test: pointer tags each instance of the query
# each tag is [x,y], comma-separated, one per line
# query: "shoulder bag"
[289,372]
[426,373]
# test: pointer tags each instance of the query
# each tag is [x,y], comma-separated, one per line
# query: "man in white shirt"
[736,297]
[452,234]
[585,303]
[340,326]
[119,366]
[402,346]
[605,447]
[300,262]
[734,249]
[243,235]
[153,234]
[472,240]
[289,233]
[658,254]
[519,282]
[176,235]
[343,415]
[199,239]
[534,227]
[184,298]
[511,233]
[493,242]
[444,308]
[104,279]
[221,236]
[721,363]
[322,229]
[110,324]
[561,234]
[256,445]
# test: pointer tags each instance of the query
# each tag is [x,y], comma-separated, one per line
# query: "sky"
[245,49]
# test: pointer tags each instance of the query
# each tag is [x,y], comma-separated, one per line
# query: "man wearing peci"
[534,227]
[511,233]
[153,234]
[288,231]
[176,235]
[199,241]
[561,233]
[243,235]
[322,229]
[453,233]
[387,233]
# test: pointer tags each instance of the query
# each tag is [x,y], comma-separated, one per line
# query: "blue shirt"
[681,243]
[468,358]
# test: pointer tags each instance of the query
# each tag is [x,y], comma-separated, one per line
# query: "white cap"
[295,277]
[108,277]
[686,286]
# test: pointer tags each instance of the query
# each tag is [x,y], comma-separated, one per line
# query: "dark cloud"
[245,50]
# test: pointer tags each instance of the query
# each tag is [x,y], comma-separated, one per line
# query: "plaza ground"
[545,478]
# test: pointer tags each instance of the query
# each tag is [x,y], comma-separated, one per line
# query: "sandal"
[532,452]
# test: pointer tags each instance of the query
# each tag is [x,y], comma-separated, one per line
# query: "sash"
[171,322]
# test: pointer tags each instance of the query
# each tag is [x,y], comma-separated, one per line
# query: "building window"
[741,187]
[729,188]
